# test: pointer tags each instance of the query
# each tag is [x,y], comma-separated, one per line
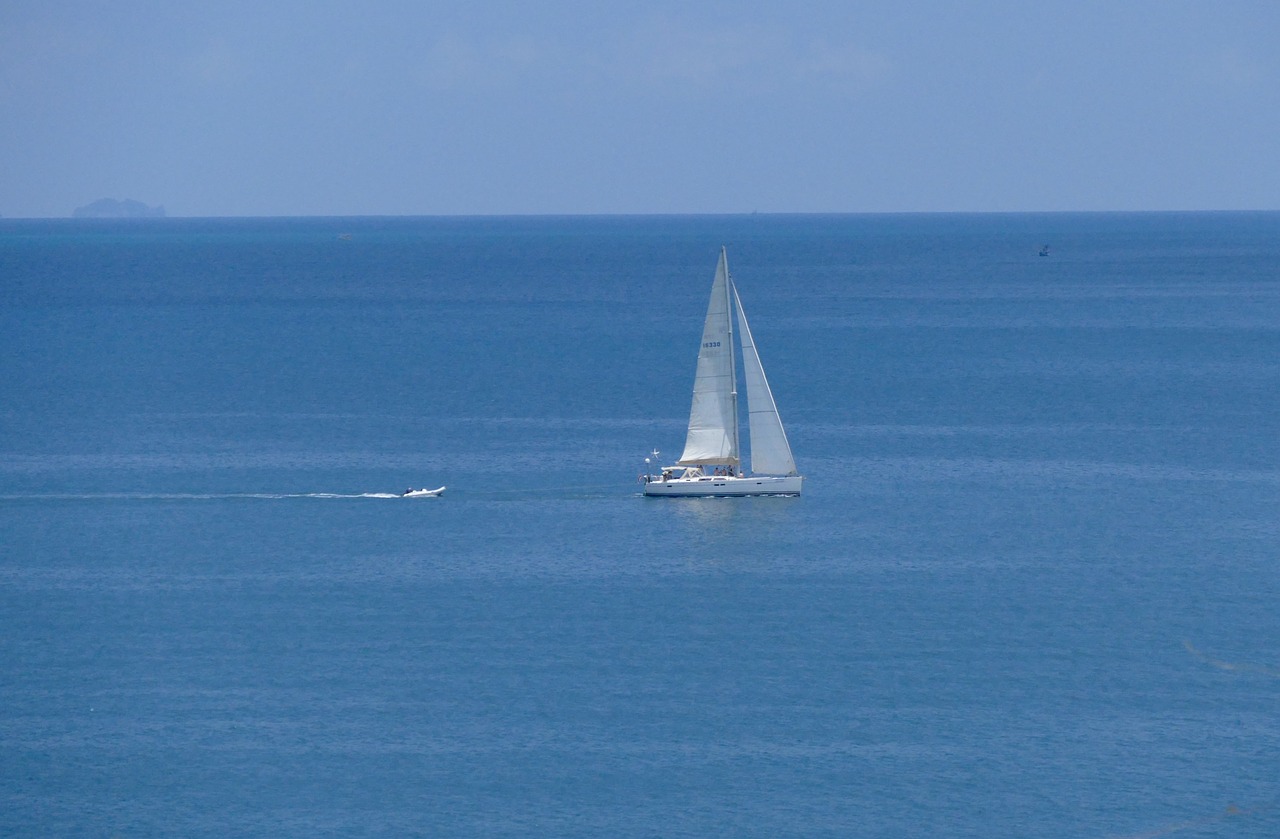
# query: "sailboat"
[711,463]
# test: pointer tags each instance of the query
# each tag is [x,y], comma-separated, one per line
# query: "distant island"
[111,208]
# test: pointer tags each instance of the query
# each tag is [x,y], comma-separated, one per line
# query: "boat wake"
[192,496]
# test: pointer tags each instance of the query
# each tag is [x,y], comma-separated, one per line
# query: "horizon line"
[739,214]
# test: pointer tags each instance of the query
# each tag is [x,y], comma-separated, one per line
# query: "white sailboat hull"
[722,486]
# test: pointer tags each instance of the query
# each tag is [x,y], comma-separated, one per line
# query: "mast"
[729,294]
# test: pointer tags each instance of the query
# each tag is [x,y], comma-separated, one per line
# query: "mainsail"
[713,417]
[770,451]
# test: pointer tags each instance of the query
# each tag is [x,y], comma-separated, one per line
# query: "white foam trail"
[189,496]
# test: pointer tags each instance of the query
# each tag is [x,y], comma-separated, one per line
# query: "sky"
[280,108]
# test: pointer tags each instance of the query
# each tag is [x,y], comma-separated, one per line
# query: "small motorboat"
[422,493]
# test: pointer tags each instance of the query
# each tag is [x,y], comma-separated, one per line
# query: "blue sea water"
[1031,588]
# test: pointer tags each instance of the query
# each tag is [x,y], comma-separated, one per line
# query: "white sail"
[770,451]
[713,417]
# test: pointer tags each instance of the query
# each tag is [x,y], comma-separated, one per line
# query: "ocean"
[1030,589]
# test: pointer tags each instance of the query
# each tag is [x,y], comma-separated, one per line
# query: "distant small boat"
[346,237]
[422,493]
[1044,251]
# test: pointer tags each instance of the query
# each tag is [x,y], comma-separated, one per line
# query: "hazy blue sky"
[554,106]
